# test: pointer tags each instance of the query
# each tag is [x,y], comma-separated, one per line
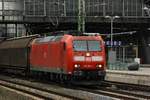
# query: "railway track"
[119,94]
[126,86]
[139,91]
[37,92]
[120,90]
[123,94]
[49,90]
[74,92]
[114,94]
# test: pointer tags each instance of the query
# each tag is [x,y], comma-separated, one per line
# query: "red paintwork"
[47,54]
[53,55]
[89,64]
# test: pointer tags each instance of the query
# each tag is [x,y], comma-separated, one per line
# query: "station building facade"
[22,17]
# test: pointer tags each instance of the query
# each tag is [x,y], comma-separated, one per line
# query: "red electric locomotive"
[65,57]
[69,57]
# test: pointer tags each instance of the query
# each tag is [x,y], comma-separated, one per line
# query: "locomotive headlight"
[87,54]
[76,66]
[99,66]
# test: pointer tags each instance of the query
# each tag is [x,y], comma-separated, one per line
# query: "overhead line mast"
[81,15]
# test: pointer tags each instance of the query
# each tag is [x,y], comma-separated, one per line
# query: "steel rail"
[35,91]
[127,86]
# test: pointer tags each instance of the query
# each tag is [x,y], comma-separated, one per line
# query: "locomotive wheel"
[61,78]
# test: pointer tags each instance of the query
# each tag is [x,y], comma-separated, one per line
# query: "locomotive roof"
[48,39]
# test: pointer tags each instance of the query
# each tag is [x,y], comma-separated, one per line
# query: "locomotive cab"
[88,57]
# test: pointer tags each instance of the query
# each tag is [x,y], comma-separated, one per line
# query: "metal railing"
[121,57]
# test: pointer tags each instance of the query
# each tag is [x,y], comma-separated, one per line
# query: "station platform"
[140,77]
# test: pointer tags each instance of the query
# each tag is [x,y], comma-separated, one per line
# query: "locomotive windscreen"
[84,45]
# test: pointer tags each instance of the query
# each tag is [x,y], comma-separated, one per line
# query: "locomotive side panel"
[55,55]
[47,55]
[67,54]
